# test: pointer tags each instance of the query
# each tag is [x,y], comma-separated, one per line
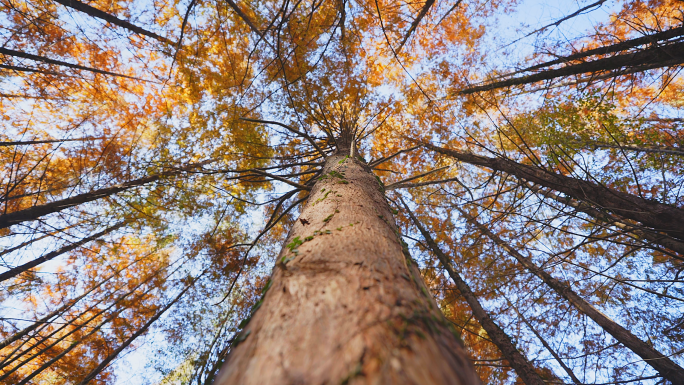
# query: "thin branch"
[401,182]
[382,160]
[91,376]
[291,129]
[94,12]
[28,265]
[414,25]
[284,180]
[559,21]
[23,55]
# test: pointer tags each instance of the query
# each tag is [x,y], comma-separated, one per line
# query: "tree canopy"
[154,156]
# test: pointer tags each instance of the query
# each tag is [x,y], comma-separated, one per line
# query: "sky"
[504,37]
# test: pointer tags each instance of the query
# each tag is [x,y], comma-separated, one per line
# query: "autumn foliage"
[155,157]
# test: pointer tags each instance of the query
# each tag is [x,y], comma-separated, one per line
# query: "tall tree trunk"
[517,360]
[617,47]
[346,303]
[665,366]
[656,215]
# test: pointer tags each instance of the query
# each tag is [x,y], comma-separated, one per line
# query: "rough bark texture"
[656,215]
[517,360]
[347,306]
[665,366]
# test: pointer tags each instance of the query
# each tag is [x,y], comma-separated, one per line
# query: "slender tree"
[667,368]
[521,365]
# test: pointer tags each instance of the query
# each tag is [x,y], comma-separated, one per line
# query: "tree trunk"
[665,366]
[348,305]
[656,215]
[517,360]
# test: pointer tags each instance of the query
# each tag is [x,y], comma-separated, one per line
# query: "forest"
[341,192]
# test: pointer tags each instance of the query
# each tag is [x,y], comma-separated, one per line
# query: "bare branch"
[23,55]
[414,25]
[28,265]
[94,12]
[395,185]
[382,160]
[651,58]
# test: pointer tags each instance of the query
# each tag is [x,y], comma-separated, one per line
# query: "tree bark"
[348,305]
[517,360]
[665,366]
[658,216]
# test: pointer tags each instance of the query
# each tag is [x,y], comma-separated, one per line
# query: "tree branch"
[94,12]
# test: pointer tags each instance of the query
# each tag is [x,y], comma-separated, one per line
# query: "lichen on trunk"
[346,303]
